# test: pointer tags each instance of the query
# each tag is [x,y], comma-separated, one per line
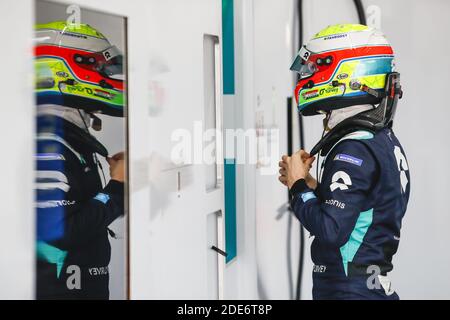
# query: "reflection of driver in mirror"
[78,73]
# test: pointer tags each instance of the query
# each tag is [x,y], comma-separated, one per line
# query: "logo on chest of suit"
[341,181]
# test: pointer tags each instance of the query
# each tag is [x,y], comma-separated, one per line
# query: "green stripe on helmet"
[340,28]
[83,29]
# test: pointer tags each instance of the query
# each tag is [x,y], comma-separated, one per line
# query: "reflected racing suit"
[73,213]
[355,215]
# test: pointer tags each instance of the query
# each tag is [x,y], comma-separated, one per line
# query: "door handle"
[219,251]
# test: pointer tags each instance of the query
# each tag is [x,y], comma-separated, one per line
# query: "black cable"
[290,147]
[360,11]
[290,143]
[318,154]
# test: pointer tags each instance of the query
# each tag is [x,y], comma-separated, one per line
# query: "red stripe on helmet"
[82,74]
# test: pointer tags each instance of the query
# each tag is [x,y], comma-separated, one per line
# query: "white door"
[176,204]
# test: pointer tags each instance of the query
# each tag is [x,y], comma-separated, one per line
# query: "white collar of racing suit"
[340,115]
[70,114]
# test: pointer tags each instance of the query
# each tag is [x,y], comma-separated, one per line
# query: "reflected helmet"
[76,66]
[336,63]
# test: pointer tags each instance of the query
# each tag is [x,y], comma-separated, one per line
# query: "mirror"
[81,153]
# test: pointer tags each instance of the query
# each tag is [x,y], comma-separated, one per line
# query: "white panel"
[168,236]
[17,142]
[277,232]
[239,114]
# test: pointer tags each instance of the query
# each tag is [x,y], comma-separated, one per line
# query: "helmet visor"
[302,65]
[113,69]
[112,66]
[108,63]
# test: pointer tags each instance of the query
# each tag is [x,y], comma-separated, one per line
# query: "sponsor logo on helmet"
[76,35]
[336,36]
[310,94]
[62,74]
[328,90]
[80,89]
[108,55]
[104,94]
[342,76]
[93,92]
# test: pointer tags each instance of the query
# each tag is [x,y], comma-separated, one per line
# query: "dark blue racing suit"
[355,215]
[73,214]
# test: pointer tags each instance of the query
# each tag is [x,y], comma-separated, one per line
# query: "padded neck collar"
[80,139]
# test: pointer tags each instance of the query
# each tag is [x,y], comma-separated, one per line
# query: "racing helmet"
[76,66]
[342,65]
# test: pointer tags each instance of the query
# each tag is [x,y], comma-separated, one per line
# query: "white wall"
[277,232]
[17,229]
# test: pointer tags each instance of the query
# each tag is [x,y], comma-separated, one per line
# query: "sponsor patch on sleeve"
[104,198]
[308,196]
[349,159]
